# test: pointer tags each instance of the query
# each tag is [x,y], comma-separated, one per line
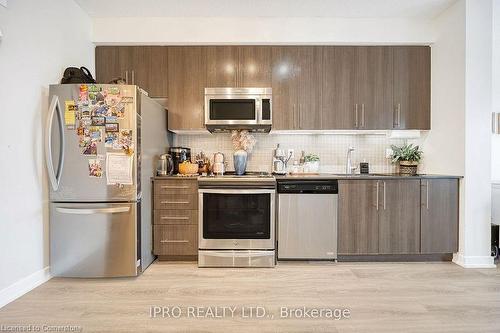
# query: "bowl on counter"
[187,168]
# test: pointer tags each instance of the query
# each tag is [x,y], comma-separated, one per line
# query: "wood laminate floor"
[381,297]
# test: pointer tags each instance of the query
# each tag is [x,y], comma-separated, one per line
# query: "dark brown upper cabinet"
[412,87]
[373,92]
[338,88]
[254,68]
[158,72]
[187,79]
[144,66]
[222,66]
[296,83]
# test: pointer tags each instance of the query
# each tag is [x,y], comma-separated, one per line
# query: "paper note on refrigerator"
[70,114]
[119,169]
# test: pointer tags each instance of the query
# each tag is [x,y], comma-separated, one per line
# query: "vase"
[240,161]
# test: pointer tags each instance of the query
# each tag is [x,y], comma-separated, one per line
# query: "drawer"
[176,186]
[176,201]
[175,240]
[176,216]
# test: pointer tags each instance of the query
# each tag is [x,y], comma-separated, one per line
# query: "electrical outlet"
[291,153]
[388,152]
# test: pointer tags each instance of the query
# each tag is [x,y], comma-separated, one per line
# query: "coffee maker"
[179,155]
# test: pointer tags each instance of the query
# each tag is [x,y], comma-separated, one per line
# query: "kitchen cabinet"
[144,66]
[358,217]
[222,66]
[254,66]
[338,99]
[158,72]
[412,87]
[373,92]
[439,211]
[175,216]
[296,84]
[399,216]
[187,79]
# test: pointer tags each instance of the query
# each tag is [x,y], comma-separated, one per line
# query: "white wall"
[41,38]
[259,30]
[495,144]
[460,139]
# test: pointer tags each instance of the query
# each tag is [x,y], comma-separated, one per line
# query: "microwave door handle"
[258,110]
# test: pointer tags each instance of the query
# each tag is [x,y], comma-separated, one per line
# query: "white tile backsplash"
[331,148]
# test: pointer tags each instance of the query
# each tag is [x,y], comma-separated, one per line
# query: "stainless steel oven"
[237,222]
[238,108]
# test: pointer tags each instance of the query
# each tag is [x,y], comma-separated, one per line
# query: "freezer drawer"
[307,226]
[93,239]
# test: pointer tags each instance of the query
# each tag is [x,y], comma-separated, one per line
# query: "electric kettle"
[165,165]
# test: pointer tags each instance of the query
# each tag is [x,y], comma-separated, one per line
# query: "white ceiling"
[418,9]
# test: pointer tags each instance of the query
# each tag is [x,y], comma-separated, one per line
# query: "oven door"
[236,219]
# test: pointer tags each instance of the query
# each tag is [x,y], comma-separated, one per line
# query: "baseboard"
[23,286]
[474,261]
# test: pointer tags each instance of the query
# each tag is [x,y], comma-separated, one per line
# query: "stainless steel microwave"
[238,108]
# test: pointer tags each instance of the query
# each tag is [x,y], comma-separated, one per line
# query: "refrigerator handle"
[54,176]
[89,211]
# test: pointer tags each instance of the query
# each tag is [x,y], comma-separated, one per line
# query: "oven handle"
[235,191]
[238,254]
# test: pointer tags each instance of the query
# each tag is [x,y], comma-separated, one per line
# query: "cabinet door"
[358,217]
[308,80]
[412,87]
[374,87]
[107,63]
[285,89]
[222,66]
[158,71]
[337,95]
[254,66]
[399,216]
[439,228]
[137,61]
[186,83]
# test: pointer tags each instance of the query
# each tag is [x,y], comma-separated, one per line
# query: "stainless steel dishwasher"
[307,219]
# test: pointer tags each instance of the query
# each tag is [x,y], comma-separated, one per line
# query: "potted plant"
[407,157]
[311,163]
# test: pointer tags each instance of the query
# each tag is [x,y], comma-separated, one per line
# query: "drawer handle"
[174,187]
[174,202]
[174,218]
[174,241]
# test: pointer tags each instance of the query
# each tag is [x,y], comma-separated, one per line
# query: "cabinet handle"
[300,117]
[362,115]
[356,115]
[174,202]
[126,77]
[384,195]
[398,115]
[293,116]
[174,218]
[133,77]
[377,192]
[174,187]
[427,195]
[174,241]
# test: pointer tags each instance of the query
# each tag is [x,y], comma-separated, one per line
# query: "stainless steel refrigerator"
[100,144]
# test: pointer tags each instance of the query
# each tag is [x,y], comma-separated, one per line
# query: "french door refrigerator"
[100,143]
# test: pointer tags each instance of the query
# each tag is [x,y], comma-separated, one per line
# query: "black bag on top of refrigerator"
[77,75]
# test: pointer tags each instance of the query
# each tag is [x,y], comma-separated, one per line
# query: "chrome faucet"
[349,169]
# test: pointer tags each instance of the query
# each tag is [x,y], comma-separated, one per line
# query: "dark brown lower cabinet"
[439,210]
[358,217]
[399,216]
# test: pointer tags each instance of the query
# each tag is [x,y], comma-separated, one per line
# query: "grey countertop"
[364,176]
[337,176]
